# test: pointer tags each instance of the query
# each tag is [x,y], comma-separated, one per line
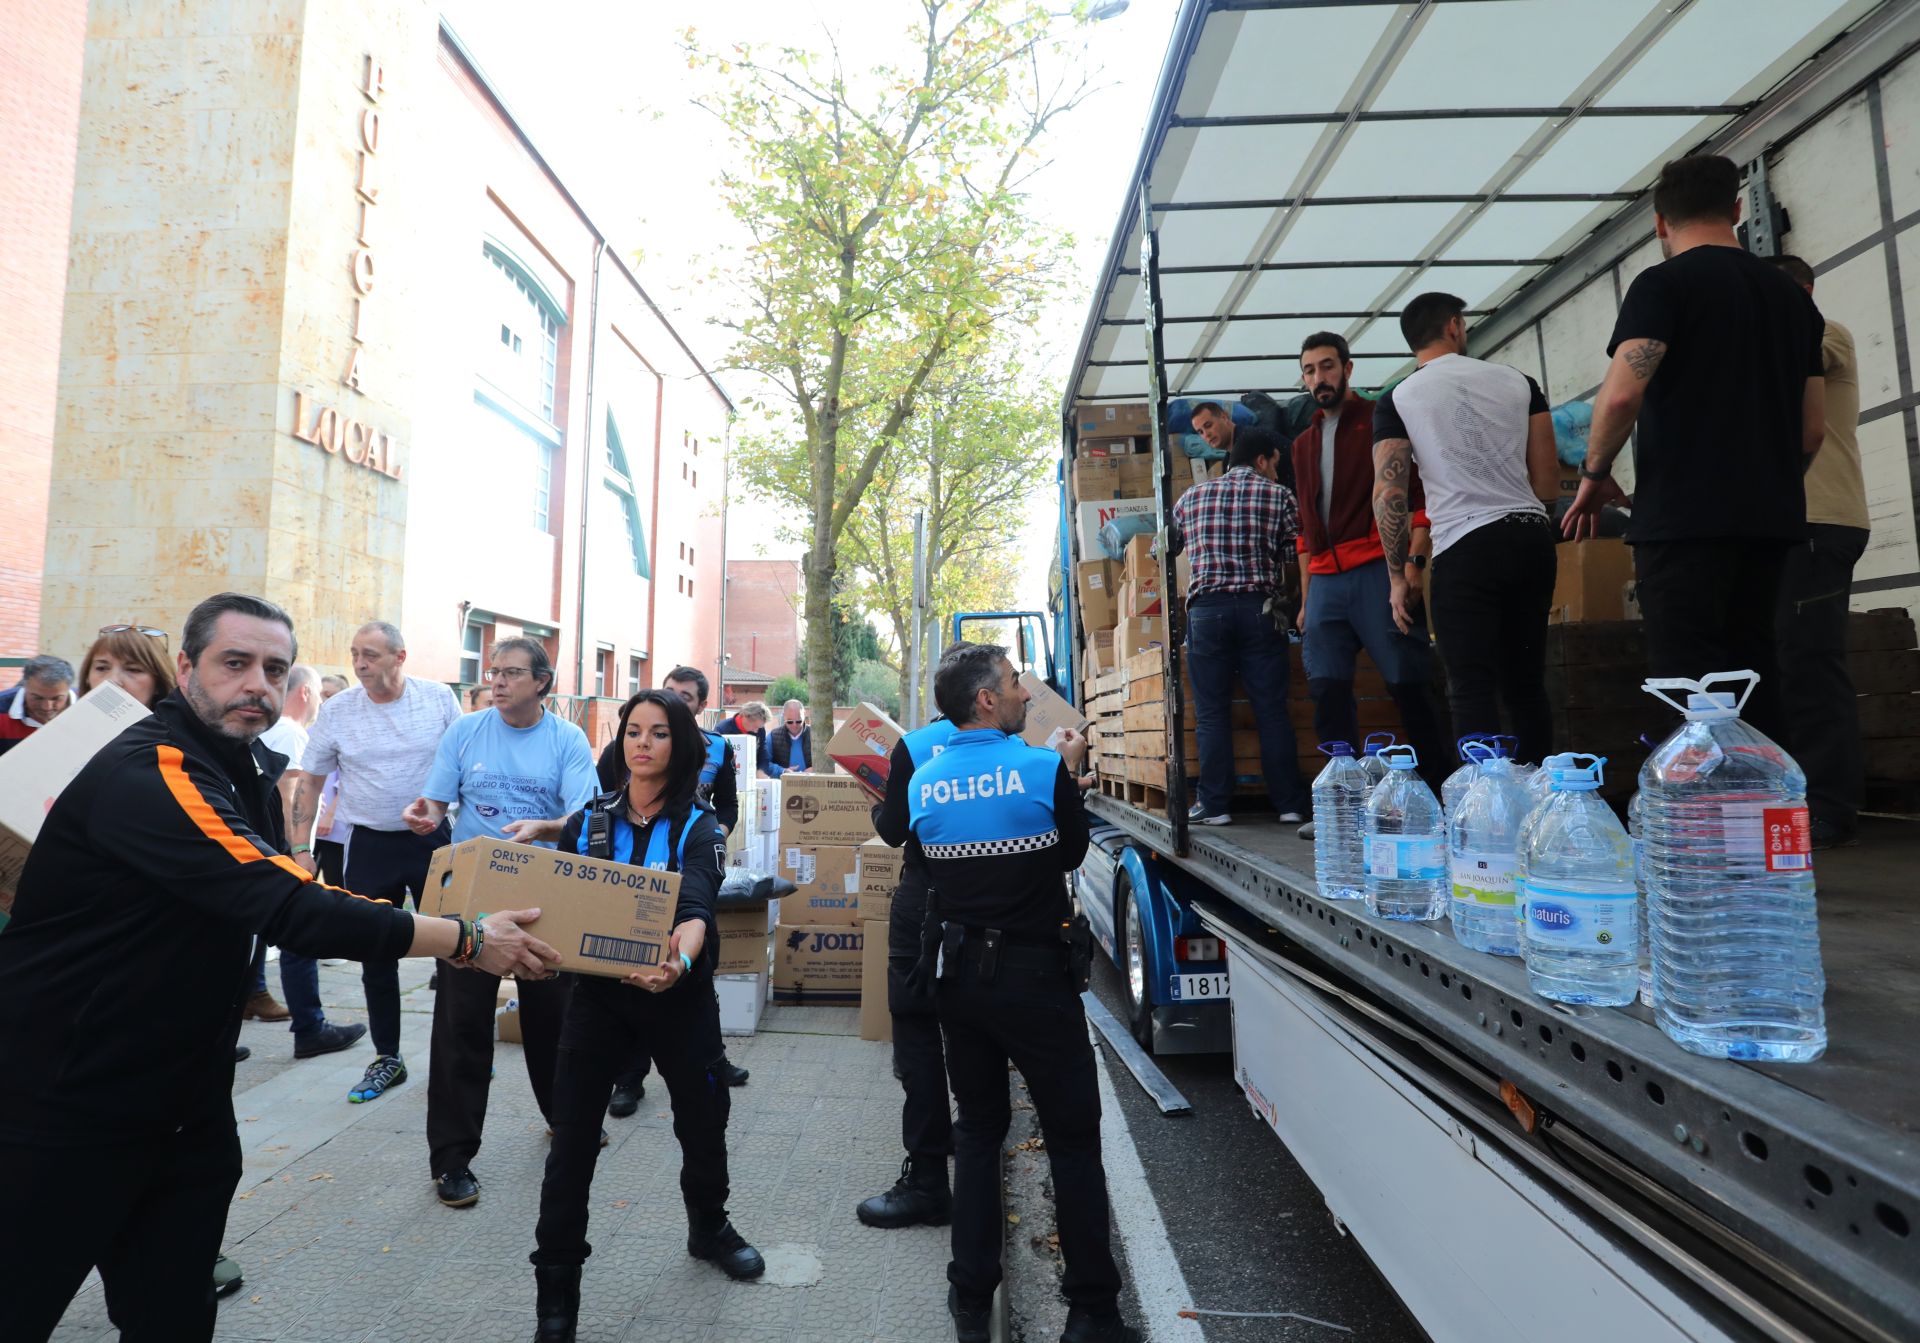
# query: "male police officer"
[1000,823]
[926,1123]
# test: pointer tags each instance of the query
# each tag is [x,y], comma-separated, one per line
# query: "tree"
[874,683]
[783,689]
[979,447]
[888,234]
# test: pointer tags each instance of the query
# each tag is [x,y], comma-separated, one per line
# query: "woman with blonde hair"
[133,657]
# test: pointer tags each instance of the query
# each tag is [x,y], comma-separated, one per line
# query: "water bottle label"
[1582,920]
[1406,857]
[1789,839]
[1485,877]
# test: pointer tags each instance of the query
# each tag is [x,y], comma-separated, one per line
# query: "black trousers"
[607,1022]
[1712,606]
[1489,595]
[461,1070]
[1033,1018]
[919,1059]
[387,865]
[1816,592]
[149,1214]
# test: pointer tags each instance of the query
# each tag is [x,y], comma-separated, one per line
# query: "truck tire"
[1133,963]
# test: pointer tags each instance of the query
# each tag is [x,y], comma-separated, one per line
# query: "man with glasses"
[508,763]
[43,694]
[792,743]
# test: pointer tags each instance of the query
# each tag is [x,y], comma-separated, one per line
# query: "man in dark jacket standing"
[750,720]
[154,873]
[792,742]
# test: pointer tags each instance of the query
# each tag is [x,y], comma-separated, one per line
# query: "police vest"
[924,743]
[986,794]
[716,755]
[609,835]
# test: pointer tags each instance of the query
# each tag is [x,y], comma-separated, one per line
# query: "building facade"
[763,625]
[336,332]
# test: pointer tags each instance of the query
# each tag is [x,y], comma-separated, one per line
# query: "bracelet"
[686,961]
[469,940]
[302,848]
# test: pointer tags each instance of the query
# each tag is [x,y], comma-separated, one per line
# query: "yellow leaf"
[1013,1219]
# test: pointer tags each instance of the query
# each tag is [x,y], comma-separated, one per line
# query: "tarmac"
[337,1230]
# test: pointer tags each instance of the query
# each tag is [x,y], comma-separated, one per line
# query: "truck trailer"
[1516,1168]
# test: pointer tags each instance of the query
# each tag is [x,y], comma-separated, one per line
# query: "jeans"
[299,982]
[1490,593]
[460,1071]
[1228,633]
[1350,611]
[1815,594]
[149,1213]
[1032,1018]
[607,1021]
[1713,606]
[386,865]
[919,1062]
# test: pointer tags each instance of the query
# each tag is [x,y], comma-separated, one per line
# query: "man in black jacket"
[750,721]
[791,745]
[123,975]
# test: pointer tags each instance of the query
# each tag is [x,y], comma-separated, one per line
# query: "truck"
[1516,1168]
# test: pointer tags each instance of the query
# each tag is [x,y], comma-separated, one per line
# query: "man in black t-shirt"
[1717,355]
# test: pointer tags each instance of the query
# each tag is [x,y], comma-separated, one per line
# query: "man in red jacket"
[1344,571]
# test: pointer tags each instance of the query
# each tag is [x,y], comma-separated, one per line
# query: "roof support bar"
[1273,317]
[1503,262]
[1513,198]
[1458,114]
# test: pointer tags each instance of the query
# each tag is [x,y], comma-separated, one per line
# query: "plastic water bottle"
[1370,760]
[1583,915]
[1483,833]
[1538,782]
[1736,938]
[1406,844]
[1636,831]
[1473,750]
[1339,794]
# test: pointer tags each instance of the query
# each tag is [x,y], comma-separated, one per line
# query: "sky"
[603,90]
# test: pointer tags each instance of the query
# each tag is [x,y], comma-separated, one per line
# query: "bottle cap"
[1336,749]
[1705,704]
[1399,757]
[1711,707]
[1570,776]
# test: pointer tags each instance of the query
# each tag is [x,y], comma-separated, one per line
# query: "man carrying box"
[511,763]
[165,851]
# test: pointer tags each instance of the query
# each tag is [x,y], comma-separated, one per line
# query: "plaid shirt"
[1236,529]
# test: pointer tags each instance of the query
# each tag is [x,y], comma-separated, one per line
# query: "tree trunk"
[819,605]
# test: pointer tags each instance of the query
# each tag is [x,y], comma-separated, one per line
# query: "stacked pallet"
[1594,672]
[1105,696]
[1885,665]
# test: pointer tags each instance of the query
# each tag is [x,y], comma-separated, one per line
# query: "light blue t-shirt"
[501,774]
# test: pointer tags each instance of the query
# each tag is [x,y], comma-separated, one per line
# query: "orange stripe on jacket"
[208,821]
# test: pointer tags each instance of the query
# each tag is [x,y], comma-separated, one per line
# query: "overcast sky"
[603,90]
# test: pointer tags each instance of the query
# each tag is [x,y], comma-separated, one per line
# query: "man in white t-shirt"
[381,736]
[1482,438]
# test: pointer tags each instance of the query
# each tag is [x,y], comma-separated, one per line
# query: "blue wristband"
[686,961]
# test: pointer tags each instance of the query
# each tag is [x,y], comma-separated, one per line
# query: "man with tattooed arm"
[1716,356]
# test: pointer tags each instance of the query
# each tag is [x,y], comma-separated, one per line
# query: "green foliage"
[783,689]
[875,683]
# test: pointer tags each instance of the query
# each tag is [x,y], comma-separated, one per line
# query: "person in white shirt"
[381,736]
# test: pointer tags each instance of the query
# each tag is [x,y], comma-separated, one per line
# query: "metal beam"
[1274,317]
[1507,263]
[1466,198]
[1237,359]
[1457,114]
[1152,1081]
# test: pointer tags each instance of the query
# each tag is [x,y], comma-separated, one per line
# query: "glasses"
[147,630]
[510,673]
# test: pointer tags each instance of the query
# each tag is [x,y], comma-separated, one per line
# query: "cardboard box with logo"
[744,930]
[1111,447]
[1136,634]
[1096,478]
[1591,580]
[824,809]
[603,918]
[876,1022]
[879,875]
[1140,597]
[863,747]
[817,963]
[746,760]
[1123,420]
[1096,513]
[1047,711]
[1094,585]
[38,770]
[826,880]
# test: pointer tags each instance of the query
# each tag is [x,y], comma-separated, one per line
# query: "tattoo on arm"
[306,806]
[1644,358]
[1392,464]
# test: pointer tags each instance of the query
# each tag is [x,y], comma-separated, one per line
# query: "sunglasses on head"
[147,630]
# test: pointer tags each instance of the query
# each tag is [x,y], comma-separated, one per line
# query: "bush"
[875,685]
[782,690]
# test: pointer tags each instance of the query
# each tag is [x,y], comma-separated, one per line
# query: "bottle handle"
[1658,685]
[1413,757]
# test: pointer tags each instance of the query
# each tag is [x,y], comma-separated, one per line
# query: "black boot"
[919,1197]
[557,1302]
[1085,1326]
[711,1236]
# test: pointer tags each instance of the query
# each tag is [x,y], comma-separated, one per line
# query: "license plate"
[1198,988]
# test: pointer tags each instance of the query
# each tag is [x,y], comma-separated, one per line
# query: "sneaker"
[327,1040]
[1197,815]
[626,1100]
[971,1324]
[730,1073]
[263,1006]
[457,1188]
[384,1073]
[1305,831]
[1291,818]
[226,1276]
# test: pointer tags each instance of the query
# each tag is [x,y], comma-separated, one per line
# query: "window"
[696,480]
[472,643]
[619,482]
[633,675]
[683,550]
[689,554]
[603,672]
[542,486]
[525,362]
[689,589]
[506,448]
[680,583]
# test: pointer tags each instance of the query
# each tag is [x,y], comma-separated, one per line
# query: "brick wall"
[763,615]
[40,68]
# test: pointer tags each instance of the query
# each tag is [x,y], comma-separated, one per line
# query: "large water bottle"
[1582,913]
[1339,794]
[1538,782]
[1406,843]
[1370,760]
[1736,938]
[1473,750]
[1636,832]
[1483,833]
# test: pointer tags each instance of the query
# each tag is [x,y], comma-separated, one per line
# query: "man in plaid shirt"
[1237,531]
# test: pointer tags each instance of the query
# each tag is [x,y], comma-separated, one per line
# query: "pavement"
[337,1230]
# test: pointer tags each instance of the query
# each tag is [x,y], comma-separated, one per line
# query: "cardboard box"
[880,866]
[1139,561]
[1094,587]
[744,930]
[742,1000]
[1047,711]
[1111,447]
[603,918]
[1096,513]
[824,809]
[1099,654]
[1136,476]
[746,760]
[1096,477]
[38,770]
[863,747]
[1590,580]
[827,882]
[1136,634]
[738,836]
[766,814]
[816,963]
[1140,597]
[1127,420]
[876,1022]
[507,1024]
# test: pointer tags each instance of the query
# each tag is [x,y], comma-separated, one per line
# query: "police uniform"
[1001,824]
[926,1120]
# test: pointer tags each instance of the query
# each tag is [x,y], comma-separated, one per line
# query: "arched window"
[619,479]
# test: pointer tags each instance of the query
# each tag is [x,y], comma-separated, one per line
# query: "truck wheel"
[1133,966]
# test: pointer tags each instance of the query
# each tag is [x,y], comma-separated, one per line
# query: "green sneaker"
[385,1072]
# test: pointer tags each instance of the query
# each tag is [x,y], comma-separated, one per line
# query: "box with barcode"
[603,918]
[826,879]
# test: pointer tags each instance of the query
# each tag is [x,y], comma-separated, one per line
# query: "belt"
[1541,519]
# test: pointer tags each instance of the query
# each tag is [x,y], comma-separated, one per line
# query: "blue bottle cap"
[1337,749]
[1570,776]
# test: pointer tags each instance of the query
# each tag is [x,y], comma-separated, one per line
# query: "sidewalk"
[340,1237]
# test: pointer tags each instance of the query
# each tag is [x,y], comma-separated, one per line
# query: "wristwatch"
[1594,475]
[1417,561]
